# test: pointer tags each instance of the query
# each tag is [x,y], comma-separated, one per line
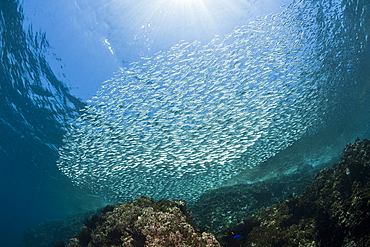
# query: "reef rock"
[143,222]
[333,211]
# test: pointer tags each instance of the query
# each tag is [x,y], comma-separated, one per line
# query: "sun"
[132,29]
[178,19]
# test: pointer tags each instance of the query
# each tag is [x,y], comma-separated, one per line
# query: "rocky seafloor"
[334,210]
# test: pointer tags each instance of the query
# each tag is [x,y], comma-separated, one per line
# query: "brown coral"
[144,222]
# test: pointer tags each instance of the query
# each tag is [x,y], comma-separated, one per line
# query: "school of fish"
[187,120]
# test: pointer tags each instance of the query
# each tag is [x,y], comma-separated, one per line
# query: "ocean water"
[197,115]
[188,119]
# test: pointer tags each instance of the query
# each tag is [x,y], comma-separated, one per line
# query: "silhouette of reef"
[55,232]
[333,211]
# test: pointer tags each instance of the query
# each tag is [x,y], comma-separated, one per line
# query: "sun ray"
[157,25]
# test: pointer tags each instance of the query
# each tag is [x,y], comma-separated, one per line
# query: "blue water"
[190,118]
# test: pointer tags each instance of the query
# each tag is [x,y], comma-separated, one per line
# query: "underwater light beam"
[157,25]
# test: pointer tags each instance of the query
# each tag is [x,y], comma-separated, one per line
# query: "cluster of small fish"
[186,120]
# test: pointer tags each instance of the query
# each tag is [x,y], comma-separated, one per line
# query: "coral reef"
[333,211]
[143,222]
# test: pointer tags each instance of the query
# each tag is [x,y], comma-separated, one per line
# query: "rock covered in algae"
[333,211]
[143,222]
